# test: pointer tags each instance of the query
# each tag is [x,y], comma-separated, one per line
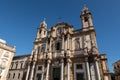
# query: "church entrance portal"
[56,73]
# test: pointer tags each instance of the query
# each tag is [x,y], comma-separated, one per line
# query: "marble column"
[68,37]
[97,70]
[50,45]
[34,63]
[50,50]
[68,69]
[62,54]
[28,70]
[38,35]
[47,73]
[46,45]
[32,71]
[62,69]
[42,72]
[87,69]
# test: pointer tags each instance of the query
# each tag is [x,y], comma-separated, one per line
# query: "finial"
[85,9]
[44,19]
[85,5]
[43,23]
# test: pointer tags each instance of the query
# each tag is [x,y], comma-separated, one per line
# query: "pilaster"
[87,68]
[48,66]
[97,68]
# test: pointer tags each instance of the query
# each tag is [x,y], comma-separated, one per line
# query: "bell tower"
[86,18]
[42,30]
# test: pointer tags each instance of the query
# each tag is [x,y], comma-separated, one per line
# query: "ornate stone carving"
[85,44]
[77,44]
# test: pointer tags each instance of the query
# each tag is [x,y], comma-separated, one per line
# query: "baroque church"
[63,53]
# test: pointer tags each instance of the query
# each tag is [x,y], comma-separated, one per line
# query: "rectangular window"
[79,76]
[79,66]
[39,67]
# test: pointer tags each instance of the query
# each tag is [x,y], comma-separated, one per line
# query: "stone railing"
[78,52]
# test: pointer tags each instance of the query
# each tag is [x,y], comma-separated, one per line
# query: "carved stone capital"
[96,59]
[62,60]
[68,60]
[49,55]
[49,61]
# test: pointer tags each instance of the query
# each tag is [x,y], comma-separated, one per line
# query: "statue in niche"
[77,45]
[56,62]
[43,48]
[85,44]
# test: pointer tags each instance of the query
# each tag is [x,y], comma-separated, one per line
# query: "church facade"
[63,53]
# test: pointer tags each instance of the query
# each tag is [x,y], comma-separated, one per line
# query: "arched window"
[77,45]
[58,46]
[16,65]
[21,65]
[13,75]
[12,65]
[18,75]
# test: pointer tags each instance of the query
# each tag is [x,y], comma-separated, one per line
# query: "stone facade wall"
[18,68]
[6,56]
[116,66]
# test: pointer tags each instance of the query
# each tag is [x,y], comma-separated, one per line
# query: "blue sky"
[19,20]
